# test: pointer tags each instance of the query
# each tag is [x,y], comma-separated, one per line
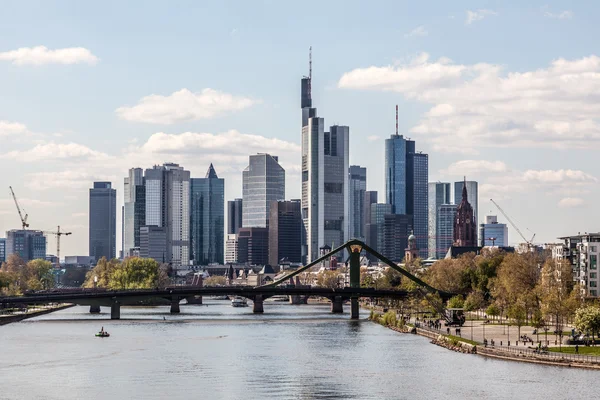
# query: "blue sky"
[502,92]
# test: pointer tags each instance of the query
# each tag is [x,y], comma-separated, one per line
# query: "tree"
[493,310]
[474,301]
[38,274]
[456,302]
[587,319]
[132,273]
[518,313]
[215,281]
[537,321]
[328,279]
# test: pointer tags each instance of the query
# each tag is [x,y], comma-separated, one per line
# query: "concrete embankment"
[7,319]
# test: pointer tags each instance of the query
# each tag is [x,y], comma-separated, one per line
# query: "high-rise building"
[134,209]
[231,249]
[168,206]
[253,246]
[325,163]
[492,233]
[27,244]
[439,194]
[285,230]
[263,181]
[465,229]
[2,250]
[358,187]
[368,228]
[103,221]
[378,213]
[406,178]
[234,216]
[445,219]
[153,243]
[394,239]
[207,218]
[472,195]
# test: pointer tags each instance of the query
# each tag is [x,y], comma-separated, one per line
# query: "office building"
[79,261]
[27,244]
[134,209]
[370,199]
[103,221]
[263,181]
[465,228]
[153,243]
[168,206]
[285,232]
[234,216]
[231,249]
[446,215]
[378,213]
[2,250]
[395,232]
[325,191]
[439,194]
[472,196]
[253,246]
[358,187]
[406,179]
[207,218]
[492,233]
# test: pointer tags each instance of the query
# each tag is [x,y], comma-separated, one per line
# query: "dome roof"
[412,237]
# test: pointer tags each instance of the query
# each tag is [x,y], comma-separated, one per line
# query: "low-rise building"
[583,252]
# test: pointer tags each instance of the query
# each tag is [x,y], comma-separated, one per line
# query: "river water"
[216,351]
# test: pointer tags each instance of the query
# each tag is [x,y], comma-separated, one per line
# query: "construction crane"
[23,218]
[58,234]
[528,242]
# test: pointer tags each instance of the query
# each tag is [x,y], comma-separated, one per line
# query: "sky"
[503,93]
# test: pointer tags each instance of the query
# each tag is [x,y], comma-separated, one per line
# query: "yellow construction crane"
[23,218]
[58,234]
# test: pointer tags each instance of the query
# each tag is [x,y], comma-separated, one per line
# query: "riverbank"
[7,319]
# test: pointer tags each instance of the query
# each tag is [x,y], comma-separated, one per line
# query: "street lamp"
[493,239]
[95,281]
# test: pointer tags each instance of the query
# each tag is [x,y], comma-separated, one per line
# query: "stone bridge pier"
[257,307]
[175,305]
[115,310]
[337,305]
[95,309]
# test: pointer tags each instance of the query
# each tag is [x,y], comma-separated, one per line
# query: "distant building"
[253,246]
[207,218]
[27,244]
[369,229]
[79,261]
[103,221]
[378,213]
[358,187]
[583,252]
[472,196]
[465,228]
[231,249]
[492,233]
[2,250]
[285,232]
[168,206]
[446,216]
[234,216]
[134,209]
[263,181]
[394,241]
[439,194]
[153,243]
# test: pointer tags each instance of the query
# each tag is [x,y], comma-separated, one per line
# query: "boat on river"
[102,333]
[239,302]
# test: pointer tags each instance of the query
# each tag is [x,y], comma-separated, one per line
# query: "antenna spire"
[310,71]
[396,119]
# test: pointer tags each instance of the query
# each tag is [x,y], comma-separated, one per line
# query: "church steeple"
[465,229]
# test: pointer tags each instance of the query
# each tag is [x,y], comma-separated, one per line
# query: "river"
[216,351]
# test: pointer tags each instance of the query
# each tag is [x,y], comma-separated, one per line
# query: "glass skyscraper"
[356,198]
[234,216]
[134,209]
[395,173]
[207,218]
[445,228]
[439,194]
[103,221]
[263,181]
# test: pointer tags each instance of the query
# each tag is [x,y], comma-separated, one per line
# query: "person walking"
[576,349]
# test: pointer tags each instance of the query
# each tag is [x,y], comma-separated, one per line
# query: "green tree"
[328,279]
[474,301]
[456,302]
[493,310]
[518,314]
[587,319]
[216,280]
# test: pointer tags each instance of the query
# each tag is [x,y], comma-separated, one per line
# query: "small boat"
[239,302]
[102,334]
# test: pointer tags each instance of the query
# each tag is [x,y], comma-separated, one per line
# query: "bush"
[389,318]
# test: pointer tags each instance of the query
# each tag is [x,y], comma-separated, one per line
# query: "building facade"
[472,196]
[27,244]
[134,209]
[358,186]
[153,243]
[439,194]
[285,232]
[492,233]
[446,216]
[253,246]
[234,216]
[207,218]
[583,252]
[231,249]
[168,206]
[103,221]
[378,213]
[465,229]
[395,238]
[2,250]
[263,181]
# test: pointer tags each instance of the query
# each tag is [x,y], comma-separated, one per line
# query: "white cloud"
[69,179]
[569,202]
[41,55]
[184,105]
[566,14]
[55,151]
[558,176]
[8,128]
[479,105]
[373,138]
[470,167]
[418,31]
[478,15]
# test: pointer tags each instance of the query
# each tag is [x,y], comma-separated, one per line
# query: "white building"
[492,233]
[583,252]
[231,249]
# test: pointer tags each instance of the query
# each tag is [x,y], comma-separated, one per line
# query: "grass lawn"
[591,350]
[460,339]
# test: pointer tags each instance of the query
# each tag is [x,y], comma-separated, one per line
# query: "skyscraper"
[168,206]
[2,250]
[103,221]
[406,177]
[27,244]
[465,229]
[253,246]
[492,233]
[446,215]
[207,218]
[356,199]
[378,213]
[394,240]
[472,195]
[153,243]
[325,163]
[234,216]
[285,230]
[439,194]
[263,182]
[134,209]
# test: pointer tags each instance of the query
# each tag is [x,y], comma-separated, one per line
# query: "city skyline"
[60,140]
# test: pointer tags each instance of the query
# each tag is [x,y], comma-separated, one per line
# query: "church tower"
[412,252]
[465,229]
